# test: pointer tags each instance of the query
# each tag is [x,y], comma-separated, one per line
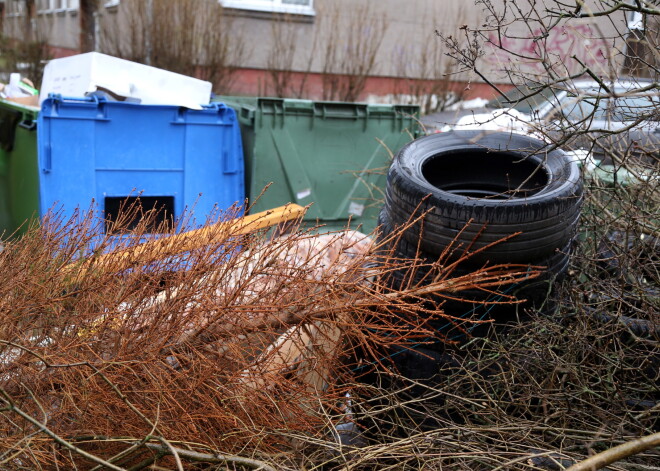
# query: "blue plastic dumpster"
[90,149]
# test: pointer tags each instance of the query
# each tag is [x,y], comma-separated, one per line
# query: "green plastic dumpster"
[19,177]
[331,155]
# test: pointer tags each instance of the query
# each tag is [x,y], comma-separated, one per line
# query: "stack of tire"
[486,199]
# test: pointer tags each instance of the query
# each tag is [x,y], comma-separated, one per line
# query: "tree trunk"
[88,10]
[29,16]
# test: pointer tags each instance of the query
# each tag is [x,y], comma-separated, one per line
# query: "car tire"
[475,189]
[534,291]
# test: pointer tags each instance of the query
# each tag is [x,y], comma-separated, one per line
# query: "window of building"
[50,6]
[46,6]
[635,21]
[299,7]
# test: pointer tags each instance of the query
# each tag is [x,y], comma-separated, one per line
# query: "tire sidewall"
[563,175]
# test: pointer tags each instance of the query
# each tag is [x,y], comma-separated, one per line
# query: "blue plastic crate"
[94,150]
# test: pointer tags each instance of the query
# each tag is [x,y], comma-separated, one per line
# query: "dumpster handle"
[48,158]
[86,99]
[247,115]
[28,124]
[214,106]
[331,110]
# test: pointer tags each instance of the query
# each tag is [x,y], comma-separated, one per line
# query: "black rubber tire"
[406,248]
[535,291]
[480,168]
[556,267]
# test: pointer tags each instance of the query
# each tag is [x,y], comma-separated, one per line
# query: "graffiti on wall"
[556,49]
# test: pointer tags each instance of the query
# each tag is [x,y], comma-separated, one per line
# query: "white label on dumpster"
[303,194]
[356,209]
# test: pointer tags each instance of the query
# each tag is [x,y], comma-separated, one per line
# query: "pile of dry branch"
[240,349]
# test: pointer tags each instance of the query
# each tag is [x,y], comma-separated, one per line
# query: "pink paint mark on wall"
[556,49]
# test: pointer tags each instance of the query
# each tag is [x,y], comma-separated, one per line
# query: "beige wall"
[408,43]
[409,29]
[410,38]
[60,28]
[408,26]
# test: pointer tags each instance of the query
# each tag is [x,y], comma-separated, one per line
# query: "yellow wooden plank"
[187,241]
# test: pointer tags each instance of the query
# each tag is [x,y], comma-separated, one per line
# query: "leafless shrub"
[191,37]
[285,41]
[352,44]
[548,51]
[430,85]
[25,47]
[425,72]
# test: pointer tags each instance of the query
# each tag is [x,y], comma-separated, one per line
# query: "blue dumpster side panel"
[90,149]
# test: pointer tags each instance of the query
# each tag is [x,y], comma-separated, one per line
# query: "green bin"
[19,176]
[331,155]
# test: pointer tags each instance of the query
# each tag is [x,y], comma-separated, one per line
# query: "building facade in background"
[385,50]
